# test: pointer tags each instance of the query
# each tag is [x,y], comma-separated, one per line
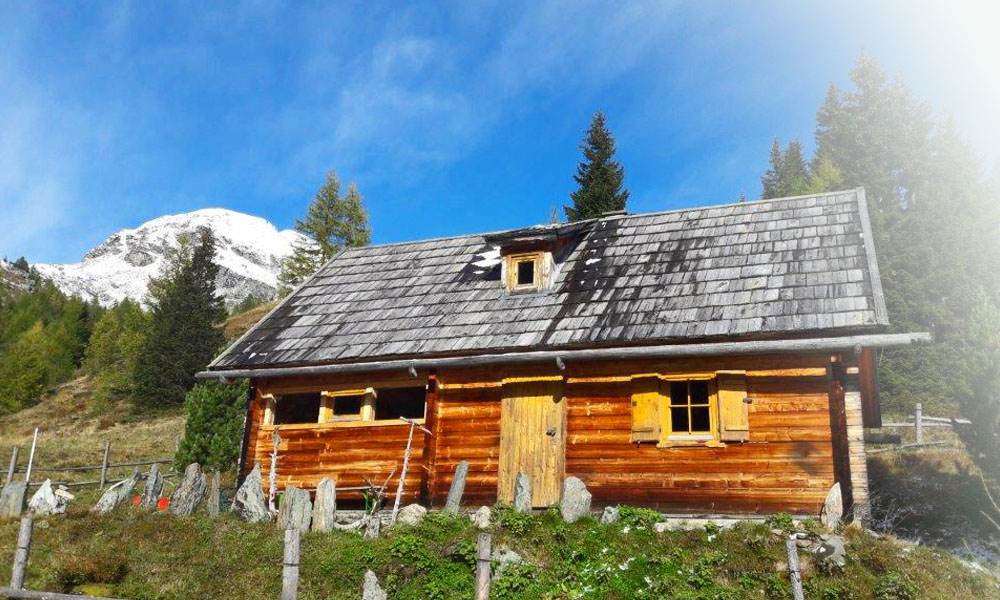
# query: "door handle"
[551,432]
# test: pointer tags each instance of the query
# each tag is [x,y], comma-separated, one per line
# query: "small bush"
[74,572]
[515,522]
[637,516]
[894,586]
[214,427]
[782,521]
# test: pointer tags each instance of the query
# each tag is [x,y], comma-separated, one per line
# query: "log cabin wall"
[787,464]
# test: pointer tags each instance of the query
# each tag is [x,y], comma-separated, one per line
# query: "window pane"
[347,405]
[296,408]
[699,392]
[700,420]
[526,272]
[678,393]
[392,403]
[679,420]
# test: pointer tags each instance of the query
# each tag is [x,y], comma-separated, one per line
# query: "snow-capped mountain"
[249,252]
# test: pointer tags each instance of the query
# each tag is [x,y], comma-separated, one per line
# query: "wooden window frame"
[328,397]
[513,260]
[667,437]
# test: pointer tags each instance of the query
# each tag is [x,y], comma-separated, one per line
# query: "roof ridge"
[609,218]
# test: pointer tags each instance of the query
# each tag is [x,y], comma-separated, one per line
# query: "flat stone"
[522,493]
[249,503]
[504,559]
[832,551]
[12,499]
[46,502]
[411,514]
[694,523]
[575,503]
[373,526]
[325,505]
[833,507]
[457,489]
[610,515]
[116,494]
[370,589]
[152,489]
[296,509]
[481,519]
[189,494]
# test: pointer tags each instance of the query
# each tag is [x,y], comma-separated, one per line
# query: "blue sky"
[452,118]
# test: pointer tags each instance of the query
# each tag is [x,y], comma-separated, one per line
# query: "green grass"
[153,555]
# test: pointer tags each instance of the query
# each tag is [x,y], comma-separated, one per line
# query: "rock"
[373,526]
[189,493]
[296,509]
[116,494]
[833,507]
[803,543]
[12,498]
[214,496]
[325,506]
[575,503]
[45,502]
[457,488]
[832,551]
[522,493]
[481,518]
[370,590]
[699,524]
[411,514]
[152,489]
[249,502]
[504,559]
[610,515]
[661,527]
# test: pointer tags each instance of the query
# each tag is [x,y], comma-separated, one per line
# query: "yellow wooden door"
[533,438]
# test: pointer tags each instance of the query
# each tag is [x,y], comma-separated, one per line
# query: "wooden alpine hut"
[704,360]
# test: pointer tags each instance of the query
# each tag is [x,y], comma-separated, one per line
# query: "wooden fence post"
[104,463]
[21,553]
[919,413]
[793,568]
[13,464]
[31,459]
[290,566]
[483,567]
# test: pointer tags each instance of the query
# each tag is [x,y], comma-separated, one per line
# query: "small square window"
[526,273]
[689,408]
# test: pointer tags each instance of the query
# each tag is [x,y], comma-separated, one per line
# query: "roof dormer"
[530,257]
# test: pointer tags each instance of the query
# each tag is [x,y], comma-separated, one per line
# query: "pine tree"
[332,223]
[599,176]
[790,175]
[24,372]
[183,333]
[214,425]
[114,349]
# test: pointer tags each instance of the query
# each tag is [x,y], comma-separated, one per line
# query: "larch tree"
[185,314]
[600,177]
[332,223]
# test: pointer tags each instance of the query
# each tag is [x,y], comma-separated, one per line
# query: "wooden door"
[533,438]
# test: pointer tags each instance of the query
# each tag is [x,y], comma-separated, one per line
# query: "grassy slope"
[167,557]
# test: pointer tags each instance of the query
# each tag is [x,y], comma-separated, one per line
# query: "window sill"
[338,425]
[691,441]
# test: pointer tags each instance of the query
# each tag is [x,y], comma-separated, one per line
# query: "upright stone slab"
[482,517]
[610,515]
[325,505]
[46,502]
[454,500]
[522,493]
[189,493]
[249,503]
[152,489]
[370,589]
[296,509]
[575,503]
[12,499]
[117,493]
[833,507]
[214,495]
[373,526]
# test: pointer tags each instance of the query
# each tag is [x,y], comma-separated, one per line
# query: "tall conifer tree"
[600,177]
[183,334]
[332,223]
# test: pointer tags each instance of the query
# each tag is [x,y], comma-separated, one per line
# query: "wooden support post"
[290,566]
[919,414]
[483,567]
[31,458]
[13,464]
[104,463]
[272,477]
[214,493]
[21,553]
[402,476]
[793,567]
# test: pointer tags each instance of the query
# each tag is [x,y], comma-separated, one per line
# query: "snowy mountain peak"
[249,252]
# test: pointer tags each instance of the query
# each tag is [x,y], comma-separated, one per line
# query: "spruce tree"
[332,223]
[599,176]
[790,175]
[183,334]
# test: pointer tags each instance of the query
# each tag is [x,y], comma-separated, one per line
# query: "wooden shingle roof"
[776,268]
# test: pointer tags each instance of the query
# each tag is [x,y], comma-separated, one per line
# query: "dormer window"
[527,272]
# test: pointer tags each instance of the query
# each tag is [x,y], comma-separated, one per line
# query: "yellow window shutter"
[645,409]
[734,419]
